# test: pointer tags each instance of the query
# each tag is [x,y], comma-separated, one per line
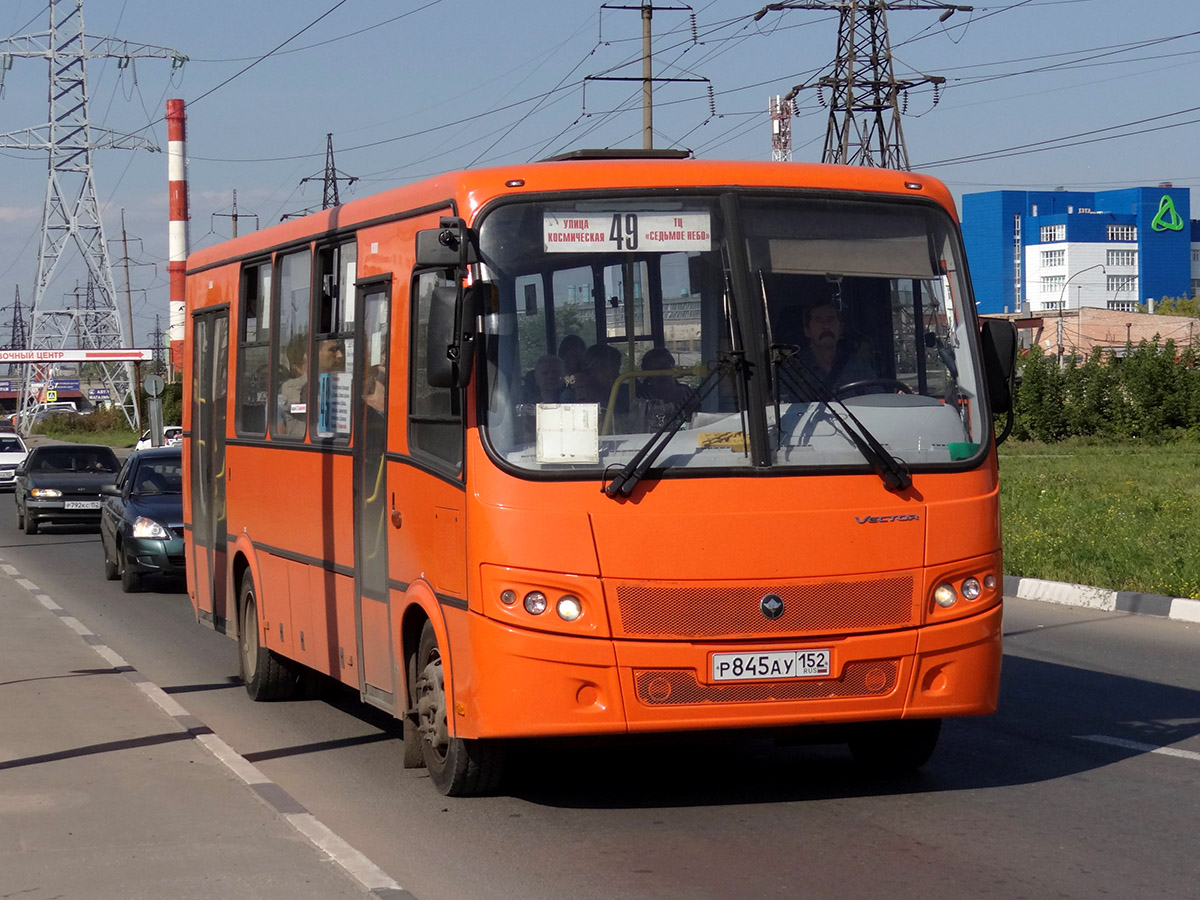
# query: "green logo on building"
[1167,219]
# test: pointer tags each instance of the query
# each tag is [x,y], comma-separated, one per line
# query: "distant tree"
[1174,306]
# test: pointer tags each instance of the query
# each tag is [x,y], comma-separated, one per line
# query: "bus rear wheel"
[265,674]
[458,767]
[894,748]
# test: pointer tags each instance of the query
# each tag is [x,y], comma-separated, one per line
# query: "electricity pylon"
[331,177]
[865,107]
[16,339]
[71,211]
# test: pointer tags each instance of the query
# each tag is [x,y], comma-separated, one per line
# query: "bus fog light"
[945,596]
[569,608]
[509,597]
[535,603]
[989,582]
[971,589]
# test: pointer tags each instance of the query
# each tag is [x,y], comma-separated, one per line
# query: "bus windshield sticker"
[568,432]
[626,232]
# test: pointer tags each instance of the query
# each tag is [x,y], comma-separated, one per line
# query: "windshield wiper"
[632,472]
[788,363]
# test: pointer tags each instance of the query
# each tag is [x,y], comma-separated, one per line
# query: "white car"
[12,453]
[172,434]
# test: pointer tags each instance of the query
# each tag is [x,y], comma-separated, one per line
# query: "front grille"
[676,687]
[683,611]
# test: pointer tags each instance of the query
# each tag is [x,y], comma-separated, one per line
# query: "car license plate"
[81,504]
[772,665]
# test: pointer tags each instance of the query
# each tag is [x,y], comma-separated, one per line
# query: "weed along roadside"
[1112,515]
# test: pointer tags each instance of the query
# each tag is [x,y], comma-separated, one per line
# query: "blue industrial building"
[1031,251]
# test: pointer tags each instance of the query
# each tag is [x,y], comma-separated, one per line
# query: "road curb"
[1178,608]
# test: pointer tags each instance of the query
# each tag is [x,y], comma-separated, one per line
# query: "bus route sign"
[626,232]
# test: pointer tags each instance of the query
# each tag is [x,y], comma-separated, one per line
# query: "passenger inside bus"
[544,384]
[571,350]
[659,396]
[600,367]
[293,392]
[331,356]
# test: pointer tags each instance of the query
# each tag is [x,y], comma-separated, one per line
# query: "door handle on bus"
[396,518]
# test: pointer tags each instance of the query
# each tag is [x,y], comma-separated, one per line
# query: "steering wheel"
[886,385]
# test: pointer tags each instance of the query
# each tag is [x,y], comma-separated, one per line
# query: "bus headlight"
[569,608]
[971,589]
[535,603]
[562,603]
[945,596]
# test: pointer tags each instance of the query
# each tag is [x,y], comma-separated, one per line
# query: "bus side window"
[254,361]
[435,424]
[290,407]
[329,413]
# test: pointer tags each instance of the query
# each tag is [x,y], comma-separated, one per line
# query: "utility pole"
[781,129]
[647,79]
[234,215]
[137,366]
[866,104]
[71,212]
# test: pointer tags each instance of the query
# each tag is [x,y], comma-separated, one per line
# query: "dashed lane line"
[377,882]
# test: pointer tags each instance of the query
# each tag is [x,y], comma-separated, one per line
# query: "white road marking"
[1137,745]
[75,625]
[353,861]
[366,872]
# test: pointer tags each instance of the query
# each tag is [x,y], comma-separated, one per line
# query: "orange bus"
[607,444]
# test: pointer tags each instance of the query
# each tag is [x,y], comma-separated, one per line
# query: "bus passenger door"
[207,567]
[371,600]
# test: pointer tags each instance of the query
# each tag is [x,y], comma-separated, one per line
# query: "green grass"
[117,437]
[1118,516]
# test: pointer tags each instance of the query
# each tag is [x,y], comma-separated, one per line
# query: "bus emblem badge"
[772,606]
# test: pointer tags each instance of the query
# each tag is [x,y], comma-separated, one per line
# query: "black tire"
[265,674]
[111,573]
[31,525]
[895,748]
[131,581]
[20,518]
[457,767]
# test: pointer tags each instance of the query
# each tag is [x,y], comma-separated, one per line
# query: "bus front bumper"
[516,683]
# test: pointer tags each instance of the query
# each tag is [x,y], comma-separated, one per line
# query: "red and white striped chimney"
[177,233]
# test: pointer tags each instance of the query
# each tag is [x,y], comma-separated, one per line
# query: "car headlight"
[148,528]
[45,493]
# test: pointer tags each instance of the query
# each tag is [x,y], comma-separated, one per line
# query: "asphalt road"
[1057,795]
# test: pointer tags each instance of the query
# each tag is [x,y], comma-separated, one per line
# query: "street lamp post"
[1062,299]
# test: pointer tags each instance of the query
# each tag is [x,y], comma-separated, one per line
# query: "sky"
[1039,94]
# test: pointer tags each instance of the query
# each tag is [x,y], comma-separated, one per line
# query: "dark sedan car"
[59,484]
[141,519]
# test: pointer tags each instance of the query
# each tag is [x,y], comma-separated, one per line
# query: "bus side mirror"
[450,340]
[999,343]
[450,244]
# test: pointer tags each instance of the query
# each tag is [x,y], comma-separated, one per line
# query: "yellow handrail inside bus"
[699,370]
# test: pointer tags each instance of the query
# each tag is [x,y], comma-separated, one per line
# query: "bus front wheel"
[265,674]
[458,767]
[894,748]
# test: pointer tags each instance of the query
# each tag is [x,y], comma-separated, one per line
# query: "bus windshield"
[745,331]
